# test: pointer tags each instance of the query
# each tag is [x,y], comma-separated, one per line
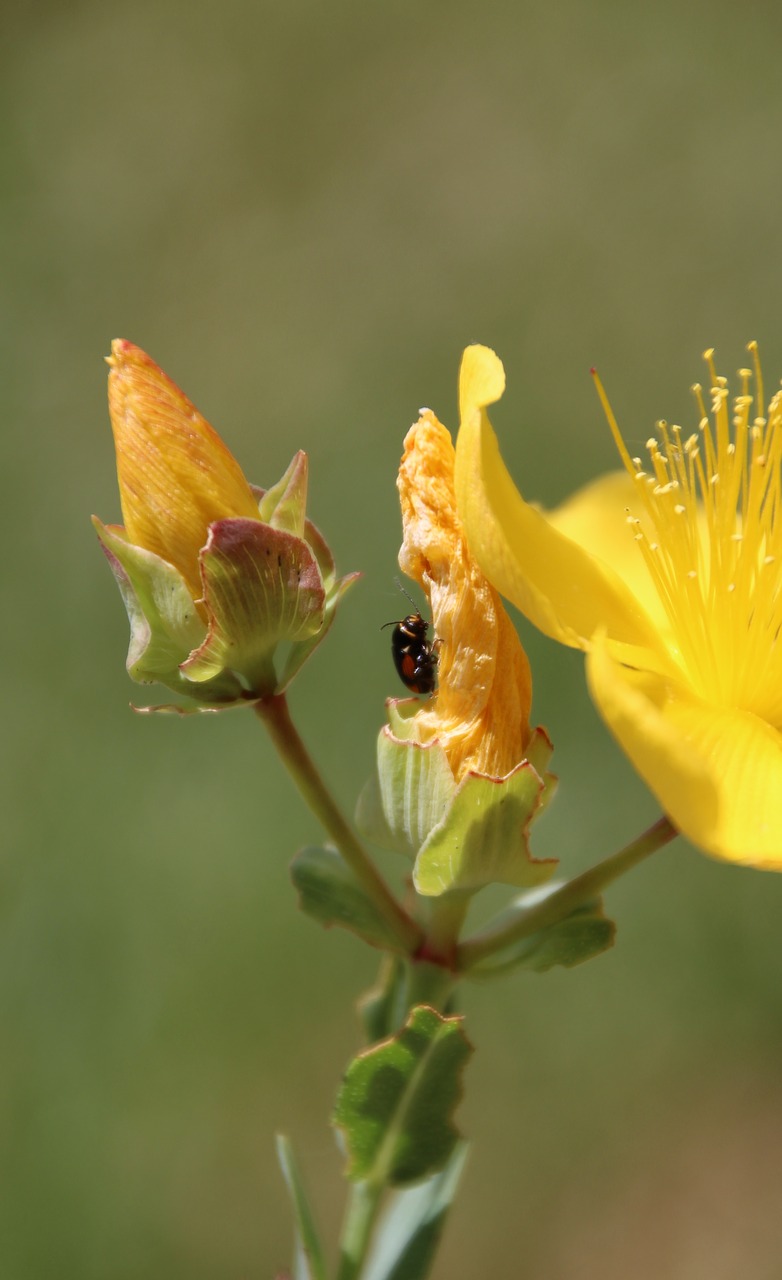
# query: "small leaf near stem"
[394,1111]
[565,899]
[330,893]
[274,713]
[584,933]
[396,1102]
[406,1239]
[360,1216]
[309,1253]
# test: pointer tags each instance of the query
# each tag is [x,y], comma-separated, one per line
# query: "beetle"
[415,658]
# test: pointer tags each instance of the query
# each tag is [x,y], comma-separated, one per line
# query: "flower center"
[711,535]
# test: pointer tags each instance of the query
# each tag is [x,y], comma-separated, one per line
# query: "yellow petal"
[175,474]
[480,714]
[558,584]
[716,771]
[595,518]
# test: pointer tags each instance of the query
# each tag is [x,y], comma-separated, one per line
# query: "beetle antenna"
[406,593]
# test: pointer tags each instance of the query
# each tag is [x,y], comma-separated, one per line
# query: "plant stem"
[445,917]
[431,984]
[274,713]
[560,902]
[360,1217]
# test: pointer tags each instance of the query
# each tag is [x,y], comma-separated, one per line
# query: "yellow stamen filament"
[709,527]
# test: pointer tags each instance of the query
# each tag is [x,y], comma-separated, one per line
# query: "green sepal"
[409,794]
[401,714]
[301,650]
[283,506]
[330,893]
[173,709]
[579,936]
[483,838]
[322,553]
[262,587]
[463,836]
[309,1262]
[539,752]
[274,508]
[165,625]
[396,1101]
[269,597]
[406,1238]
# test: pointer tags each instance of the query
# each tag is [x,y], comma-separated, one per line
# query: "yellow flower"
[669,575]
[176,477]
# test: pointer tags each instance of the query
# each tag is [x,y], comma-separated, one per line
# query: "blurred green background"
[304,212]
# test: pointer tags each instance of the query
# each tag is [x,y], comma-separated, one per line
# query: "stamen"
[712,530]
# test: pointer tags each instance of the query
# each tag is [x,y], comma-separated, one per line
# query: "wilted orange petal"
[480,713]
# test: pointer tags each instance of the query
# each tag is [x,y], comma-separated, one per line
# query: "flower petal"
[566,591]
[717,771]
[595,518]
[175,474]
[480,713]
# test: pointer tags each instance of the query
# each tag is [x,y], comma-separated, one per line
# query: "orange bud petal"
[175,474]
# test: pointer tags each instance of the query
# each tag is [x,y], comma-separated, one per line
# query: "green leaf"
[406,1239]
[382,1009]
[396,1101]
[483,837]
[584,933]
[330,893]
[310,1263]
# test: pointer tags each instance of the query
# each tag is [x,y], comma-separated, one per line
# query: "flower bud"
[228,588]
[460,775]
